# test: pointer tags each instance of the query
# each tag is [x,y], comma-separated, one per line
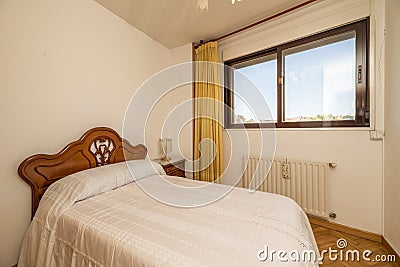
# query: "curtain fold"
[208,115]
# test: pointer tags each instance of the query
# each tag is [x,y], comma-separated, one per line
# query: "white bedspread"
[87,221]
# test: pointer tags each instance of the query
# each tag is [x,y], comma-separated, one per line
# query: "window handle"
[359,74]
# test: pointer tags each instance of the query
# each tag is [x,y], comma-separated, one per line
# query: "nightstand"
[173,167]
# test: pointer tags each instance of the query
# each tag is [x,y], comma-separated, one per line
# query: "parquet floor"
[327,238]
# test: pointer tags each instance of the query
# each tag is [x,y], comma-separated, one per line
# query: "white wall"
[180,55]
[392,126]
[356,184]
[175,110]
[66,66]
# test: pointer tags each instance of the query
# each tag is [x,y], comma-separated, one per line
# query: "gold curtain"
[208,115]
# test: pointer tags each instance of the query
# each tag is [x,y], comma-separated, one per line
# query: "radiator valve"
[332,164]
[332,215]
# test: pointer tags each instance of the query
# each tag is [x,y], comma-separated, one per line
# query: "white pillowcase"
[143,168]
[91,182]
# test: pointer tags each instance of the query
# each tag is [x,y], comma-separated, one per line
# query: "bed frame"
[97,147]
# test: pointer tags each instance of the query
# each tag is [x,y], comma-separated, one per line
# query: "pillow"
[91,182]
[143,168]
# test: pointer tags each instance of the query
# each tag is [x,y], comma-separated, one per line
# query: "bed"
[93,213]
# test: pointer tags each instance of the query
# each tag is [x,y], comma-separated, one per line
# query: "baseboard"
[345,229]
[390,249]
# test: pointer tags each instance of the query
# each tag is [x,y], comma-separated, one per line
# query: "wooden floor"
[327,238]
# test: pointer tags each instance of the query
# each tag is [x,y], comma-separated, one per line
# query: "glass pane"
[255,89]
[320,80]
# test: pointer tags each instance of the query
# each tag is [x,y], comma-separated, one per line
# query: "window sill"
[337,129]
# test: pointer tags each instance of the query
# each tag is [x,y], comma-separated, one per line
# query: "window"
[317,81]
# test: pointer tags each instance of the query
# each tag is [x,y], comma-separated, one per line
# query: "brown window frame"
[362,87]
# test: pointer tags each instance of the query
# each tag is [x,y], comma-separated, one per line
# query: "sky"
[317,81]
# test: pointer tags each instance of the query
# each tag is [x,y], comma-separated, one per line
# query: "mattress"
[108,220]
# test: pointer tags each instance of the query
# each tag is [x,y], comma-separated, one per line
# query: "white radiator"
[304,182]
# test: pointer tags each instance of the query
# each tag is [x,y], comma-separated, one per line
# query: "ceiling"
[177,22]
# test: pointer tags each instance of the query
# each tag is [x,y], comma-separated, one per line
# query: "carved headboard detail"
[97,147]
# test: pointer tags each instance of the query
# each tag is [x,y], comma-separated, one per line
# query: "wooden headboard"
[97,147]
